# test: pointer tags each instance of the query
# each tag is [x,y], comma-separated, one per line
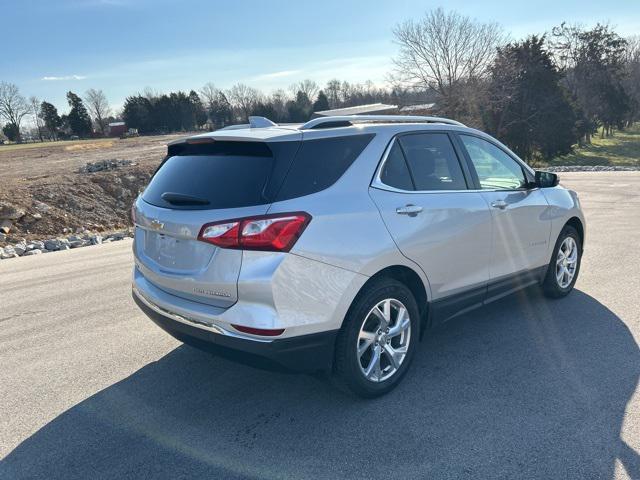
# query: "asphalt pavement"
[524,388]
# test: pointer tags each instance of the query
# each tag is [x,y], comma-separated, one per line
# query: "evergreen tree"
[52,120]
[220,111]
[137,113]
[322,102]
[79,120]
[11,131]
[197,109]
[528,108]
[300,109]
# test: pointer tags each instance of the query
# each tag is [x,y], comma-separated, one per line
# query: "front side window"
[496,170]
[433,162]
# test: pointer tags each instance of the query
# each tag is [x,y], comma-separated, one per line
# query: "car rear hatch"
[208,180]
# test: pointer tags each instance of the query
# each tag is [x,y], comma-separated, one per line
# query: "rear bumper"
[305,353]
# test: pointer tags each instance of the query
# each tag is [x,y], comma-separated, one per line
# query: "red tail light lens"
[277,233]
[259,331]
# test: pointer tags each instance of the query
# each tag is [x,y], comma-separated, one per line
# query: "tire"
[362,329]
[552,285]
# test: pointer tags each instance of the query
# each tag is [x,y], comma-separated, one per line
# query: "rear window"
[243,174]
[320,163]
[220,175]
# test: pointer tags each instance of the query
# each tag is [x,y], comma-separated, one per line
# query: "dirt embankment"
[47,190]
[97,201]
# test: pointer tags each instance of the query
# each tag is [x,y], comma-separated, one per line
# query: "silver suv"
[336,244]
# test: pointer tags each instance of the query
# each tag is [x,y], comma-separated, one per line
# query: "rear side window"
[320,163]
[220,175]
[433,162]
[394,171]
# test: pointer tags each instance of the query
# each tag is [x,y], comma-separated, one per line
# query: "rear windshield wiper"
[183,199]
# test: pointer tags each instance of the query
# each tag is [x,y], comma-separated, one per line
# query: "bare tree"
[98,107]
[13,106]
[34,105]
[333,92]
[279,101]
[308,87]
[209,94]
[243,99]
[443,51]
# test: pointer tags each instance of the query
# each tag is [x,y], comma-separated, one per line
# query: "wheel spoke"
[374,364]
[402,323]
[384,320]
[395,355]
[366,340]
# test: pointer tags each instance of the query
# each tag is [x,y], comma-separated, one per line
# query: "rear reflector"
[276,233]
[259,331]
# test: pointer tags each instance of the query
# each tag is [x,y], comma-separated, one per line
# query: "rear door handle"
[411,210]
[501,204]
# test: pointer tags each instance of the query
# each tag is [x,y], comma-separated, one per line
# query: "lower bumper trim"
[306,353]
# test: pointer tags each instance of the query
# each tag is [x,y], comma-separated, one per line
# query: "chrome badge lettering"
[214,293]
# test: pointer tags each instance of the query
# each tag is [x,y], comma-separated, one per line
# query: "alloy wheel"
[566,262]
[383,341]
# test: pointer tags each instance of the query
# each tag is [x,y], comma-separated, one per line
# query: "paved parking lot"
[525,388]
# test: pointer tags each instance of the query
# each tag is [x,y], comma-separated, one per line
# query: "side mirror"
[546,179]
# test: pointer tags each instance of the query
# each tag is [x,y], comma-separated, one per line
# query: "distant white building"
[370,109]
[418,109]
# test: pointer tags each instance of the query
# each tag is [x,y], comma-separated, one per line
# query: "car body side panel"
[450,239]
[521,231]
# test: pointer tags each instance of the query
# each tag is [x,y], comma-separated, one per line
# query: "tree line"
[540,95]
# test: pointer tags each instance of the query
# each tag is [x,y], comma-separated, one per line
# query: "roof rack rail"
[322,121]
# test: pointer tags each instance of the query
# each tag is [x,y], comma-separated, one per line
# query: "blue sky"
[124,46]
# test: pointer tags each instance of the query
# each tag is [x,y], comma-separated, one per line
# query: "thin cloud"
[64,77]
[281,74]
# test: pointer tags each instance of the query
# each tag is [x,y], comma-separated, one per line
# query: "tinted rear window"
[242,174]
[221,175]
[320,163]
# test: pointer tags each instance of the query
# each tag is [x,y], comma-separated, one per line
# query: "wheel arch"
[412,280]
[576,223]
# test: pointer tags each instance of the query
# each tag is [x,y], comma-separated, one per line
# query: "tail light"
[276,233]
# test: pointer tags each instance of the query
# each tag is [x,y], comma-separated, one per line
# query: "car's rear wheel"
[378,338]
[565,264]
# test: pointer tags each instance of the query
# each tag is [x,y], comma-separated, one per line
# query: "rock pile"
[104,165]
[19,247]
[590,168]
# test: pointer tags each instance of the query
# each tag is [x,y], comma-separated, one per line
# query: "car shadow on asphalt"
[526,387]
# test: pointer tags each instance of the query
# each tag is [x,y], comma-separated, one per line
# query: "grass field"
[623,149]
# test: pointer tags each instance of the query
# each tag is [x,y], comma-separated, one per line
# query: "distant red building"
[117,129]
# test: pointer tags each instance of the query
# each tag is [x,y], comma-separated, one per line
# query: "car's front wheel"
[378,338]
[563,270]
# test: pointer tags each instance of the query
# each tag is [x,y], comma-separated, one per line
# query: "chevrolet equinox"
[334,245]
